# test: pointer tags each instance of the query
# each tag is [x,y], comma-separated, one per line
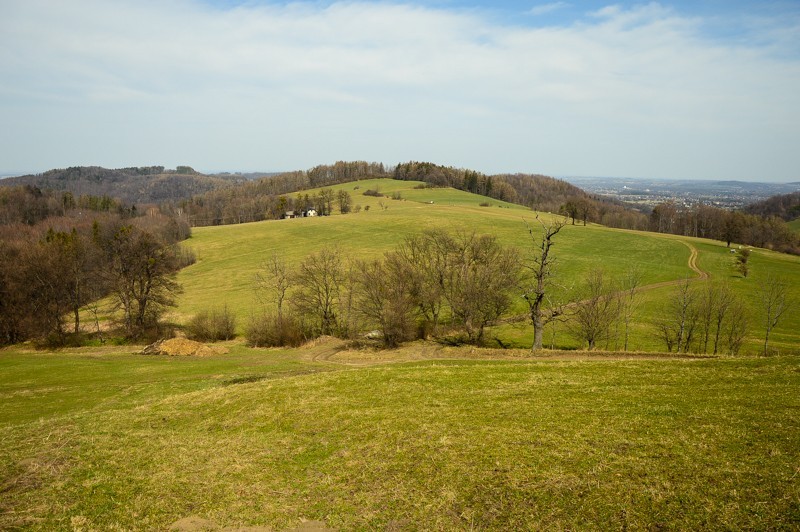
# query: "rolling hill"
[136,185]
[424,437]
[230,256]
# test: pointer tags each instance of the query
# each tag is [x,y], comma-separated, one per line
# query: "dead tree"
[773,292]
[540,267]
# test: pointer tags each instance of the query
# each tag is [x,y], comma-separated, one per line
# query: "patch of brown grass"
[183,347]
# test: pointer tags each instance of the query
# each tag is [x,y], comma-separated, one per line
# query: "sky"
[708,89]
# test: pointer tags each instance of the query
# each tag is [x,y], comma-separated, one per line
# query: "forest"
[60,254]
[784,206]
[134,185]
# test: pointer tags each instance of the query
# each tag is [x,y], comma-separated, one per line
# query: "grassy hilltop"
[229,256]
[424,437]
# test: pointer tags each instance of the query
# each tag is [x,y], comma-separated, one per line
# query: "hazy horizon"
[4,175]
[676,89]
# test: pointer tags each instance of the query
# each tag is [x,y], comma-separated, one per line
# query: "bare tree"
[325,202]
[273,280]
[736,327]
[678,326]
[482,275]
[595,313]
[629,303]
[345,201]
[773,293]
[383,299]
[540,268]
[141,275]
[422,260]
[319,281]
[717,305]
[71,252]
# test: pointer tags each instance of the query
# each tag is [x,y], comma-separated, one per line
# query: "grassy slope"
[99,438]
[106,440]
[229,256]
[795,224]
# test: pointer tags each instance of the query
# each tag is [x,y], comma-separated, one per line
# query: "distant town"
[651,192]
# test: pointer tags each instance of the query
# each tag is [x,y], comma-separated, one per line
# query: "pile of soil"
[181,347]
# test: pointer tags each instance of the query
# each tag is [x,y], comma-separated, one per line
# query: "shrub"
[269,330]
[185,256]
[373,193]
[212,325]
[396,195]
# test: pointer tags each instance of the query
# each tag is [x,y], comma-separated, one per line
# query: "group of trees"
[707,221]
[709,318]
[268,198]
[27,204]
[434,284]
[55,269]
[539,192]
[455,286]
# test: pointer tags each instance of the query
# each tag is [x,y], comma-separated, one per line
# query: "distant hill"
[269,197]
[135,185]
[784,206]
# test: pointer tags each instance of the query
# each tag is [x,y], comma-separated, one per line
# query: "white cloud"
[543,9]
[625,92]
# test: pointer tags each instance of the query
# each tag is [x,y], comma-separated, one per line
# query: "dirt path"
[702,275]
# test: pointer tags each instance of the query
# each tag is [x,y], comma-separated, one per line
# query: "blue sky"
[692,90]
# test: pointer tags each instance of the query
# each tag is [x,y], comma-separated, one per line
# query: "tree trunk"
[538,329]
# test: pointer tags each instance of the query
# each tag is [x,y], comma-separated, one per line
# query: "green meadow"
[455,439]
[423,437]
[229,256]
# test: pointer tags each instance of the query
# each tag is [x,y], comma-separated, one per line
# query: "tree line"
[227,199]
[707,221]
[26,204]
[784,206]
[134,185]
[57,261]
[270,197]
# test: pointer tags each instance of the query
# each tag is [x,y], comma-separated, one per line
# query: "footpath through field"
[702,275]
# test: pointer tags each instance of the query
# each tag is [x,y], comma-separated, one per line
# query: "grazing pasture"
[423,437]
[229,257]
